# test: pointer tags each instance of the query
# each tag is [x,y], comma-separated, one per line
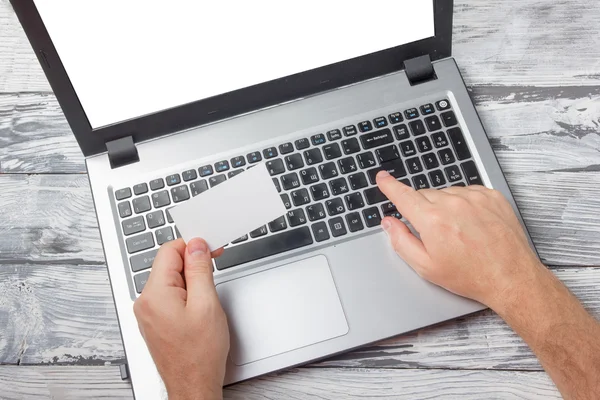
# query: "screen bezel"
[93,141]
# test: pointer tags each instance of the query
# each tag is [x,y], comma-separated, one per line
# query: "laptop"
[168,100]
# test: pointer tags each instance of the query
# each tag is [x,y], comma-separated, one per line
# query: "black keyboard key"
[437,178]
[374,195]
[393,214]
[318,140]
[365,126]
[408,148]
[460,184]
[366,160]
[161,199]
[156,184]
[401,132]
[141,204]
[262,231]
[140,281]
[354,222]
[173,179]
[430,161]
[300,197]
[270,152]
[286,148]
[122,194]
[142,261]
[139,243]
[439,140]
[328,170]
[449,119]
[420,182]
[164,235]
[442,105]
[338,186]
[254,157]
[290,181]
[417,127]
[332,151]
[433,123]
[427,109]
[233,173]
[133,225]
[285,199]
[198,187]
[155,219]
[320,231]
[350,130]
[423,144]
[388,207]
[319,191]
[189,175]
[216,180]
[335,206]
[309,176]
[395,168]
[354,201]
[395,118]
[240,239]
[124,209]
[471,173]
[446,156]
[387,153]
[347,165]
[334,134]
[358,181]
[275,167]
[205,171]
[372,217]
[376,139]
[294,161]
[237,162]
[277,186]
[278,224]
[337,226]
[315,212]
[414,165]
[180,193]
[313,156]
[459,144]
[140,188]
[380,122]
[264,247]
[411,113]
[302,144]
[405,181]
[222,166]
[296,217]
[453,174]
[350,146]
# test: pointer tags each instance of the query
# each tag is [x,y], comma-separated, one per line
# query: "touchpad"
[282,309]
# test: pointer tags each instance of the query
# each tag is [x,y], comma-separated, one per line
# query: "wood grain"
[66,383]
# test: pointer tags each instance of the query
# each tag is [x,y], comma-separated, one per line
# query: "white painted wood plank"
[66,383]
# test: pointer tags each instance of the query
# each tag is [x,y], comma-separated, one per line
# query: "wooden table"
[534,70]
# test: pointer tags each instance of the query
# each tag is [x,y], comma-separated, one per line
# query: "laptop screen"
[130,58]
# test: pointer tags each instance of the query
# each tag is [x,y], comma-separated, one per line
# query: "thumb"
[198,270]
[406,245]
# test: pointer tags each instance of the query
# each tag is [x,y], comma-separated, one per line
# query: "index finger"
[408,201]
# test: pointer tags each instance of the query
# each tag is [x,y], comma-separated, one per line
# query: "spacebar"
[265,247]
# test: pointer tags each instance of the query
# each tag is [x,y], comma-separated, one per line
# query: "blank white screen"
[129,58]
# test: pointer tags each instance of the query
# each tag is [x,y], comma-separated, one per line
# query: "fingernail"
[383,174]
[197,247]
[386,225]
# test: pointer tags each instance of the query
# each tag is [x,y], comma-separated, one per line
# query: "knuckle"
[478,197]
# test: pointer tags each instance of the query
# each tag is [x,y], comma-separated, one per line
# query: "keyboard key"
[374,195]
[449,119]
[354,201]
[156,184]
[141,204]
[278,224]
[446,156]
[328,170]
[140,188]
[366,160]
[411,113]
[264,247]
[142,261]
[189,175]
[140,281]
[372,217]
[423,144]
[337,226]
[139,243]
[350,130]
[285,148]
[365,126]
[420,182]
[285,199]
[133,225]
[417,127]
[453,174]
[262,231]
[164,235]
[380,122]
[233,173]
[427,109]
[198,187]
[332,151]
[318,140]
[237,162]
[433,123]
[388,207]
[358,181]
[439,140]
[240,239]
[414,165]
[309,176]
[376,139]
[437,178]
[442,105]
[180,193]
[300,197]
[276,183]
[408,148]
[216,180]
[405,181]
[296,217]
[161,199]
[222,166]
[395,168]
[401,132]
[206,170]
[335,206]
[313,156]
[347,165]
[334,134]
[319,191]
[471,174]
[320,231]
[393,214]
[395,118]
[122,194]
[387,153]
[315,212]
[430,161]
[275,167]
[350,146]
[155,219]
[294,161]
[354,222]
[254,157]
[338,186]
[460,184]
[173,179]
[302,144]
[290,181]
[124,209]
[270,152]
[459,144]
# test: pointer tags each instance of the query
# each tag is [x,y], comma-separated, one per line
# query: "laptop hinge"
[122,152]
[419,70]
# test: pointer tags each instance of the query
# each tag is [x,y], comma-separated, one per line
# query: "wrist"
[195,392]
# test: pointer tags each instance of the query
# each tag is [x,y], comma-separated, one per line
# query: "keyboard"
[326,181]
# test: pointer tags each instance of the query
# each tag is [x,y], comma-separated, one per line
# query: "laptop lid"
[138,69]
